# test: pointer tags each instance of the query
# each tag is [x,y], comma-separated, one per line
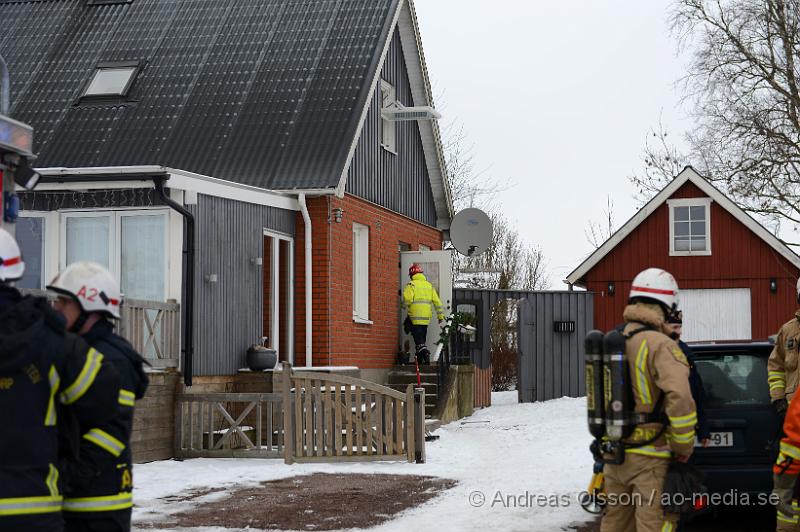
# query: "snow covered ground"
[518,466]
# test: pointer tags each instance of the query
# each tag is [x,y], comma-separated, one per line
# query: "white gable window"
[360,273]
[690,226]
[388,98]
[111,79]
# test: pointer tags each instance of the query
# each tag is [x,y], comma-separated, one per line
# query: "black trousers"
[50,522]
[117,521]
[419,333]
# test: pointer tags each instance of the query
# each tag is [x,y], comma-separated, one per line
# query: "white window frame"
[66,215]
[47,221]
[361,273]
[115,237]
[689,202]
[388,132]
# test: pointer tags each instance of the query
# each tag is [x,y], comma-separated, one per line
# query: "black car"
[744,427]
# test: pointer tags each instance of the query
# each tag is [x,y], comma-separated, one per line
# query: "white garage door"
[720,314]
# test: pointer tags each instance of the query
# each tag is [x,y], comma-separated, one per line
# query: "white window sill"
[390,150]
[689,253]
[362,321]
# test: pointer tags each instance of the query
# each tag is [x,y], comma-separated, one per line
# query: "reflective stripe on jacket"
[103,480]
[783,361]
[658,366]
[789,455]
[418,296]
[48,378]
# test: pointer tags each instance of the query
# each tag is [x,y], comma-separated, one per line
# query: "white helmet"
[91,285]
[657,285]
[11,265]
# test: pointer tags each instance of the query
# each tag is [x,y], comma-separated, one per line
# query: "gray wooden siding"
[398,182]
[228,313]
[551,364]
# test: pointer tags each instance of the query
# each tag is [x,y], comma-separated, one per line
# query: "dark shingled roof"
[263,92]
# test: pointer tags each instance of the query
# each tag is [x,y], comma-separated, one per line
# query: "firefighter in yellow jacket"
[664,410]
[783,362]
[418,296]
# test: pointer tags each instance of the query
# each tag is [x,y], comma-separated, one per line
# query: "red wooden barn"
[737,280]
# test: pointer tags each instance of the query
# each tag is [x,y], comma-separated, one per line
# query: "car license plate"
[718,439]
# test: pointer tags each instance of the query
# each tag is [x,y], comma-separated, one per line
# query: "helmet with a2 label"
[91,285]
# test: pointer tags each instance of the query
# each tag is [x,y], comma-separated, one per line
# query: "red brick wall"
[337,339]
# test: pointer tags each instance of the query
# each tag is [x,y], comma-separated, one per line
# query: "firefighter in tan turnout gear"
[664,411]
[783,362]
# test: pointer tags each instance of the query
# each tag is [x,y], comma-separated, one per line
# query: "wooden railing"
[152,327]
[338,418]
[229,425]
[154,330]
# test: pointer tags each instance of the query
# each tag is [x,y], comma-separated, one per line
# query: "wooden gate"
[332,418]
[229,425]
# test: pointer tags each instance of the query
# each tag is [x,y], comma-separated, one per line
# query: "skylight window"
[111,81]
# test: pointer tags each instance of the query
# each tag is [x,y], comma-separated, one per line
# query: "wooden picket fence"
[331,418]
[229,425]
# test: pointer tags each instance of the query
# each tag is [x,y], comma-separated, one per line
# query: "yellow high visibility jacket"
[417,298]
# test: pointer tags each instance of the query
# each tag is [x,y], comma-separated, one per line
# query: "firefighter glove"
[780,406]
[682,485]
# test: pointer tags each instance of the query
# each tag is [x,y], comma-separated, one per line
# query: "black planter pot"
[260,358]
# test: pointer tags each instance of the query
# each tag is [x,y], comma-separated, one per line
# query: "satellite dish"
[471,232]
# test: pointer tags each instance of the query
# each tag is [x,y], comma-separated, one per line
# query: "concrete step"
[411,368]
[410,378]
[431,396]
[431,388]
[402,385]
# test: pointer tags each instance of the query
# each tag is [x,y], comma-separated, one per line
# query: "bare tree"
[469,186]
[508,263]
[661,162]
[744,85]
[598,232]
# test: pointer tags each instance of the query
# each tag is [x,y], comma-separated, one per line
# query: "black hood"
[22,320]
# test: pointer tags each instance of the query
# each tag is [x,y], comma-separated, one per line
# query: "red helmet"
[415,269]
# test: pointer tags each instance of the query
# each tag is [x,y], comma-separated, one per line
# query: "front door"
[278,303]
[438,268]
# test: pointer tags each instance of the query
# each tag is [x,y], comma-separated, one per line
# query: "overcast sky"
[556,98]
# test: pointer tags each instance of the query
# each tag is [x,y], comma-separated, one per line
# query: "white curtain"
[143,250]
[87,239]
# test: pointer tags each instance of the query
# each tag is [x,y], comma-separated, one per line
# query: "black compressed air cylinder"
[616,387]
[595,399]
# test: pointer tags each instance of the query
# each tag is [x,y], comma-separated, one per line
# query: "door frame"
[275,319]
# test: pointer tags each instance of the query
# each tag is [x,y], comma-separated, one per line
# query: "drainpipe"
[188,253]
[307,221]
